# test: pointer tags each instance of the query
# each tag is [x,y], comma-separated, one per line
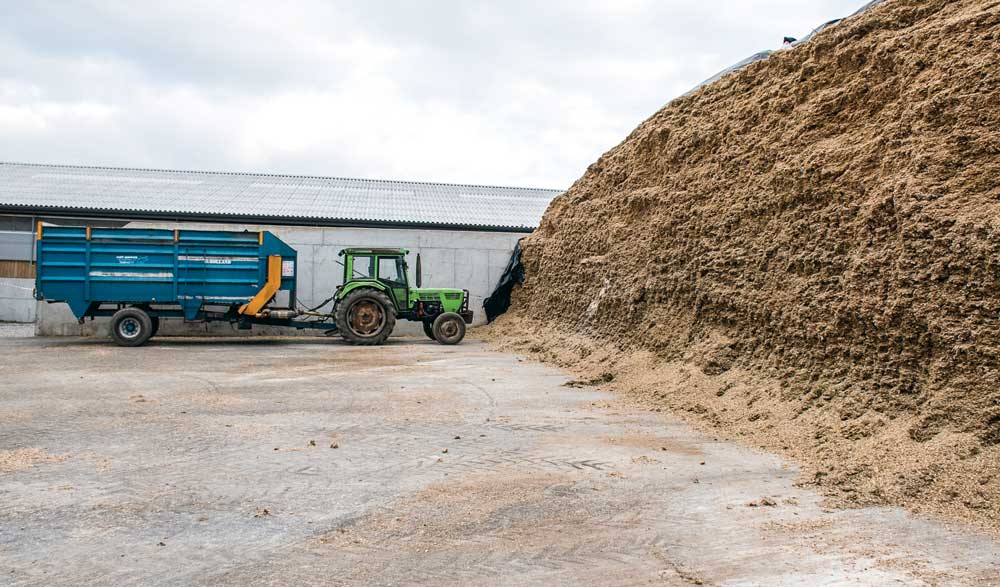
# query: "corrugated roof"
[265,198]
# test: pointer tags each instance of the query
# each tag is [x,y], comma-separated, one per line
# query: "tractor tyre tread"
[439,328]
[344,306]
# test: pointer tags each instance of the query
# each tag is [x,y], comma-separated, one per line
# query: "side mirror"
[420,281]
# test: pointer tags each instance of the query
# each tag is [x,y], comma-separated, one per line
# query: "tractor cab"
[377,290]
[387,268]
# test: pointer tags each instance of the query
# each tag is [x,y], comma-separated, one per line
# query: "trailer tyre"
[365,317]
[449,328]
[131,327]
[429,329]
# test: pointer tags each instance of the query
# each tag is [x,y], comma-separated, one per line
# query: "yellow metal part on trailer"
[270,288]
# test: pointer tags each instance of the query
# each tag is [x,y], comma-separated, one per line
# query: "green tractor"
[376,292]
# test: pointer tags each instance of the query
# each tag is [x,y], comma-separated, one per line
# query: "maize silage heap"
[805,254]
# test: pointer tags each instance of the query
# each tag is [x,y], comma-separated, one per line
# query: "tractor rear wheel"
[429,329]
[365,316]
[131,327]
[449,328]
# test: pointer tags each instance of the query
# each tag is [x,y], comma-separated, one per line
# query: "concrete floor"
[208,462]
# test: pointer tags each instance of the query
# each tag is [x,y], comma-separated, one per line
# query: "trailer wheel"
[429,329]
[131,327]
[449,328]
[365,316]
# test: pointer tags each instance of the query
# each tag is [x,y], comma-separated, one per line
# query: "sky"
[512,92]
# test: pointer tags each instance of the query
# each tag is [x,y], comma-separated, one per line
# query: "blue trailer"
[137,276]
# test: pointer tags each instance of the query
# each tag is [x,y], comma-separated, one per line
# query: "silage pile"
[805,254]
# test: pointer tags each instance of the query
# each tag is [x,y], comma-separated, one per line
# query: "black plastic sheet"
[499,300]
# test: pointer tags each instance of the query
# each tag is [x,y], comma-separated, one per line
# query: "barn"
[464,233]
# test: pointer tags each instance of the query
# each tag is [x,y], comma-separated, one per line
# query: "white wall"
[17,303]
[463,259]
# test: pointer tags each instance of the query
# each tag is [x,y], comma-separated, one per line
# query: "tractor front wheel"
[449,328]
[365,316]
[429,329]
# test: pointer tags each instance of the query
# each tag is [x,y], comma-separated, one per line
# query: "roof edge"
[93,213]
[277,175]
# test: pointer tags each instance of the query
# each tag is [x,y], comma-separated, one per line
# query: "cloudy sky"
[511,92]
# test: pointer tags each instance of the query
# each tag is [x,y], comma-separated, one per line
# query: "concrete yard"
[306,461]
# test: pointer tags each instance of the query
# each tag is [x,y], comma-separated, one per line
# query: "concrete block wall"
[17,302]
[463,259]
